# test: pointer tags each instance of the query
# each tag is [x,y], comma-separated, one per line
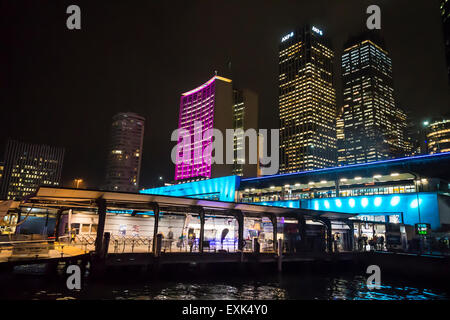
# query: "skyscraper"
[374,128]
[438,135]
[29,166]
[125,152]
[445,14]
[307,101]
[211,106]
[245,116]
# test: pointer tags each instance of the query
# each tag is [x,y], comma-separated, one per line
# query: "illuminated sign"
[422,228]
[317,30]
[290,35]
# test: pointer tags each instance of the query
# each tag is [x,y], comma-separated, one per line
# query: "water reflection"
[305,287]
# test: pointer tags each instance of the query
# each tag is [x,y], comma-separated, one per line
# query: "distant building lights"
[358,178]
[286,186]
[377,176]
[343,179]
[272,187]
[310,183]
[323,181]
[395,174]
[297,184]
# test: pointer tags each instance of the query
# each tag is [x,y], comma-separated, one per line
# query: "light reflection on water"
[305,287]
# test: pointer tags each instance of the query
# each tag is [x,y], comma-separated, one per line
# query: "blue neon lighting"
[414,203]
[351,202]
[443,154]
[222,189]
[395,200]
[378,201]
[316,205]
[403,204]
[327,204]
[364,202]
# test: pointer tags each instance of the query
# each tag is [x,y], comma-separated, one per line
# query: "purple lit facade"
[200,106]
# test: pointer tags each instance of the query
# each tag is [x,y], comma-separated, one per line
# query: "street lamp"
[77,182]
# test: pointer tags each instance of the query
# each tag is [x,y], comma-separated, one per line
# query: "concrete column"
[329,239]
[155,227]
[201,213]
[57,223]
[240,219]
[329,236]
[351,236]
[273,219]
[101,205]
[301,223]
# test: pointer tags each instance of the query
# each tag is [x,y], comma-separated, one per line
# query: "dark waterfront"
[304,286]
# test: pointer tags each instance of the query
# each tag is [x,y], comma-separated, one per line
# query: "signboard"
[290,35]
[422,228]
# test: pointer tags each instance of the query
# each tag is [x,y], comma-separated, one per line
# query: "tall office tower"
[245,117]
[2,168]
[374,127]
[29,166]
[125,153]
[307,101]
[445,14]
[340,138]
[209,106]
[438,136]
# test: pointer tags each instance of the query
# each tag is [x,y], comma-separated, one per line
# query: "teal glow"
[414,203]
[377,202]
[351,203]
[338,203]
[395,201]
[327,204]
[222,189]
[316,205]
[364,202]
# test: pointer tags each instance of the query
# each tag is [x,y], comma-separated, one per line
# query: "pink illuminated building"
[210,105]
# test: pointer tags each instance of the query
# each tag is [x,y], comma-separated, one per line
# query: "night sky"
[61,87]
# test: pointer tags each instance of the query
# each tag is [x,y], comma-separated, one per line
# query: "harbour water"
[304,286]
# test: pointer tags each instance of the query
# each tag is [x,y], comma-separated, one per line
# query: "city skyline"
[155,162]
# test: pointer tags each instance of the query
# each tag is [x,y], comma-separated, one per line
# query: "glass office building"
[307,101]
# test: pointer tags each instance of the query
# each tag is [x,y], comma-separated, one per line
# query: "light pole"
[77,182]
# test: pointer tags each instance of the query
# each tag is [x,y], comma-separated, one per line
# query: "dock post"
[155,227]
[101,205]
[273,219]
[58,221]
[201,213]
[351,236]
[240,218]
[280,255]
[301,223]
